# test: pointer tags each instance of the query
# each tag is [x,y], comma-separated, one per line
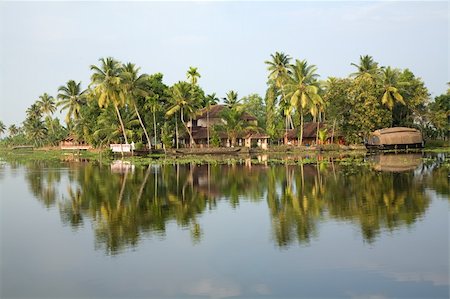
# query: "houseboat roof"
[395,130]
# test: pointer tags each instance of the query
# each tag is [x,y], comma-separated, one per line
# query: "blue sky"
[45,44]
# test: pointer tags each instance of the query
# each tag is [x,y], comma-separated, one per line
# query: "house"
[201,126]
[291,137]
[71,143]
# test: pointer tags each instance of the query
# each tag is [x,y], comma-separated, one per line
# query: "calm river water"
[374,227]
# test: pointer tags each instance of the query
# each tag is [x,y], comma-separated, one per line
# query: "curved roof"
[396,130]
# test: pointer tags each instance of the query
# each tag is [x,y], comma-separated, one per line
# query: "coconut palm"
[234,123]
[303,90]
[107,86]
[231,98]
[154,104]
[34,112]
[13,130]
[193,75]
[389,80]
[182,101]
[2,128]
[210,100]
[71,97]
[109,130]
[134,85]
[47,104]
[279,72]
[366,67]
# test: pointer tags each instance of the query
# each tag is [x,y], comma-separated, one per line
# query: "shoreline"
[294,156]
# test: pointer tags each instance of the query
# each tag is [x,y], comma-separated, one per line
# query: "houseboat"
[395,138]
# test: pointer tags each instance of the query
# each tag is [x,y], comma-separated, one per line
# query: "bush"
[436,143]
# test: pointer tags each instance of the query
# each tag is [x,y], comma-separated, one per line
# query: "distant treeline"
[120,104]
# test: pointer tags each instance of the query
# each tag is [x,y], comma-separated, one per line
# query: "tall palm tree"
[234,122]
[108,88]
[134,85]
[47,104]
[366,67]
[34,112]
[210,100]
[182,101]
[193,75]
[303,90]
[279,72]
[154,104]
[231,98]
[13,130]
[389,80]
[2,128]
[71,97]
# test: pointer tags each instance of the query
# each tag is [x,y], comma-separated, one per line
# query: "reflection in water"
[123,202]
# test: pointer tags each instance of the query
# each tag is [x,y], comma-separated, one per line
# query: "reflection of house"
[206,120]
[309,134]
[70,143]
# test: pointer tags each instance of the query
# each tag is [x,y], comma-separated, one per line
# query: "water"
[374,227]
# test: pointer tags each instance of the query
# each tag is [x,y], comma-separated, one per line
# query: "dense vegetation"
[120,104]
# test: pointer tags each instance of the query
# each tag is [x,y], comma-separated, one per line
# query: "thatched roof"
[396,135]
[309,130]
[215,111]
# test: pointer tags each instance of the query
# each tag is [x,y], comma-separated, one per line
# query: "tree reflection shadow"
[125,205]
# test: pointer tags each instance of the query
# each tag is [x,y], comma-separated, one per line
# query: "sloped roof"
[215,110]
[309,130]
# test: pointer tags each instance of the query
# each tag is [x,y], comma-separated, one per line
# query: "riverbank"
[277,155]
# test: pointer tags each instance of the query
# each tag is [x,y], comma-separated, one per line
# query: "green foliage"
[214,138]
[167,135]
[254,105]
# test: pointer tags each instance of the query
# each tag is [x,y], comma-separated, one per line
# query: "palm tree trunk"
[154,125]
[185,125]
[207,125]
[143,127]
[332,132]
[176,131]
[121,124]
[301,128]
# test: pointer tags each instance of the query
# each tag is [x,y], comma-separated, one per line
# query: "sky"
[45,44]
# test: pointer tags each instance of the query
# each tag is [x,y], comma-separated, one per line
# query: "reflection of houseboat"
[395,138]
[395,163]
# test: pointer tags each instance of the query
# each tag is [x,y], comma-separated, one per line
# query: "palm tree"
[389,80]
[303,90]
[193,75]
[135,87]
[367,67]
[2,128]
[13,130]
[210,100]
[47,105]
[234,123]
[71,97]
[109,130]
[231,98]
[34,112]
[182,101]
[279,72]
[155,106]
[108,88]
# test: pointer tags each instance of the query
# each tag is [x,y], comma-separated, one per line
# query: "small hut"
[395,138]
[71,143]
